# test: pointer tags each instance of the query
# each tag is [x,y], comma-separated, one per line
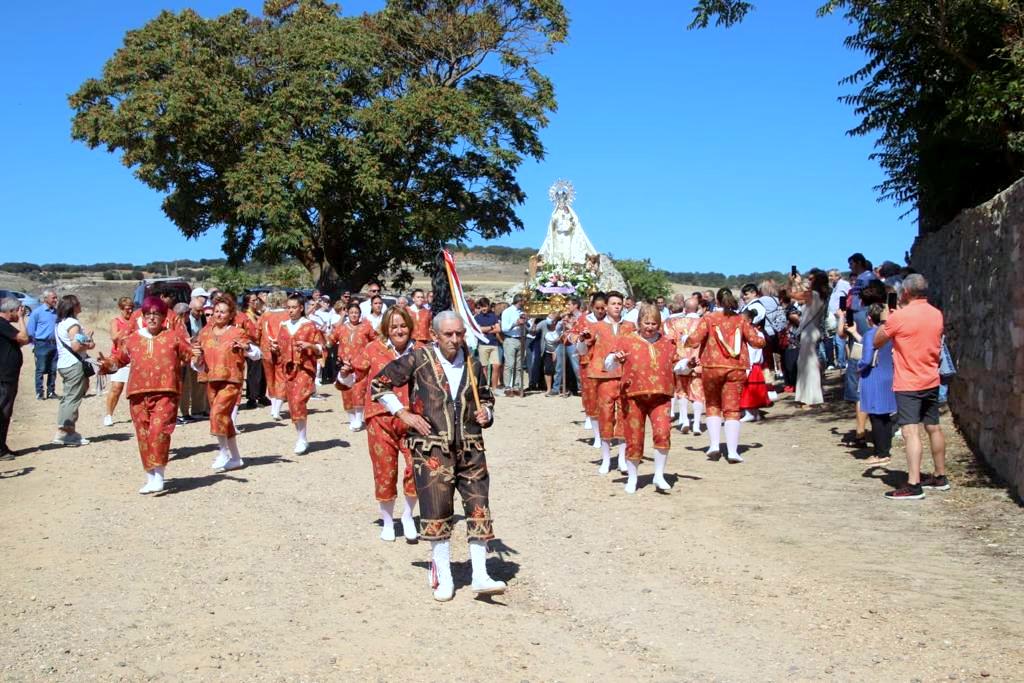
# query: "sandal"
[878,460]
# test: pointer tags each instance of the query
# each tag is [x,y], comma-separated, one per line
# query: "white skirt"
[121,375]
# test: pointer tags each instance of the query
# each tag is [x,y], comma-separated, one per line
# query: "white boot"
[748,416]
[301,443]
[732,440]
[683,419]
[275,408]
[223,455]
[158,479]
[408,523]
[441,571]
[714,435]
[236,461]
[483,584]
[606,458]
[660,458]
[597,433]
[630,486]
[622,458]
[698,410]
[387,518]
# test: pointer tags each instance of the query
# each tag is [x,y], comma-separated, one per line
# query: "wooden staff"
[472,377]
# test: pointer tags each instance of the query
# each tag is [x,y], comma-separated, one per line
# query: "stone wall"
[975,269]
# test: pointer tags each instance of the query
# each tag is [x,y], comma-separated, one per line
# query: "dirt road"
[789,567]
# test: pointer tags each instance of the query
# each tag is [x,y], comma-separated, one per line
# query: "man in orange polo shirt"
[916,334]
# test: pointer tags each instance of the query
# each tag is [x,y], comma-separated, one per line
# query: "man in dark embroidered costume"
[445,436]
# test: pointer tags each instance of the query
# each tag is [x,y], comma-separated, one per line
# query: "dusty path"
[788,567]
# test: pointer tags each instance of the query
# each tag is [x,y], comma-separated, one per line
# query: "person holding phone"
[835,352]
[814,296]
[853,325]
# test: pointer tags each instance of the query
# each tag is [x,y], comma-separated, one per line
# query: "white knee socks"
[714,425]
[478,558]
[630,486]
[586,423]
[674,408]
[441,570]
[233,449]
[355,419]
[223,454]
[275,408]
[622,458]
[660,458]
[597,433]
[732,440]
[606,458]
[408,523]
[698,410]
[684,412]
[387,517]
[234,417]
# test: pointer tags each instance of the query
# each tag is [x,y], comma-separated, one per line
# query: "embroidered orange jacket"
[156,361]
[720,339]
[605,336]
[647,370]
[223,362]
[368,363]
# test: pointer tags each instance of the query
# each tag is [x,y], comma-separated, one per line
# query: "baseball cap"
[199,291]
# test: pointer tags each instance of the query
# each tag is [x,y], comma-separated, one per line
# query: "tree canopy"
[357,145]
[943,89]
[646,282]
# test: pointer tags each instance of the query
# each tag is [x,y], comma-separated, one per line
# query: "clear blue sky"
[702,150]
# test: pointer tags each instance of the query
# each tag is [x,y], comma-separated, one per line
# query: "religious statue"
[565,242]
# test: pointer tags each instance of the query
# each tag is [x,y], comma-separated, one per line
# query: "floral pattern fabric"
[154,417]
[640,409]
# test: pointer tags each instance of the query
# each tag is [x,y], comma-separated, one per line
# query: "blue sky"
[715,150]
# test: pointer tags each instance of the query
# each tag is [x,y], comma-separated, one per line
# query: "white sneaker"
[388,532]
[220,461]
[234,464]
[108,421]
[597,442]
[487,586]
[70,439]
[630,487]
[301,447]
[661,484]
[734,458]
[605,468]
[748,417]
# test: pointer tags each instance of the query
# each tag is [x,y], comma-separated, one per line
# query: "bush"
[645,281]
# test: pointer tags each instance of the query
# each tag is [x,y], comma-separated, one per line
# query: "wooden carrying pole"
[472,377]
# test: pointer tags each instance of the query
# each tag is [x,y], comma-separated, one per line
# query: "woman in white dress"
[815,299]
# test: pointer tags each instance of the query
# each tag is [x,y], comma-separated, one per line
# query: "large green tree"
[942,89]
[357,145]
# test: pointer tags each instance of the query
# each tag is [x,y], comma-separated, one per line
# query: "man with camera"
[13,336]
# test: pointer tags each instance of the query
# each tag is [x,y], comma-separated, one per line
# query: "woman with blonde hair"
[386,432]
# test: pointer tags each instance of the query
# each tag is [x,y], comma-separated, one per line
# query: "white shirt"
[326,319]
[367,306]
[66,358]
[510,322]
[632,314]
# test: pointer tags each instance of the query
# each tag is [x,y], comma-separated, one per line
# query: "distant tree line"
[716,279]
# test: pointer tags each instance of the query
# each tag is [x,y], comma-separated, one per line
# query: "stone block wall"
[975,269]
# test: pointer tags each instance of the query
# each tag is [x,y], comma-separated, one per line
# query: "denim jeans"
[46,364]
[560,369]
[840,345]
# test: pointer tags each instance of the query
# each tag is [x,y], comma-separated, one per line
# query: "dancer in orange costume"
[646,359]
[723,357]
[421,318]
[599,339]
[218,355]
[688,388]
[270,325]
[350,337]
[120,327]
[588,387]
[386,432]
[157,356]
[296,350]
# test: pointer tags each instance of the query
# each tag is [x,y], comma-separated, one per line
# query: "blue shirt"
[863,280]
[486,320]
[876,394]
[41,324]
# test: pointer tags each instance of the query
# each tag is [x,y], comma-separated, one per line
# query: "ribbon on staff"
[459,303]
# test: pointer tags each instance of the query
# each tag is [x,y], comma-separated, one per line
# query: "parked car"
[179,287]
[28,301]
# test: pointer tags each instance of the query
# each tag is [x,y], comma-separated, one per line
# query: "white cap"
[199,291]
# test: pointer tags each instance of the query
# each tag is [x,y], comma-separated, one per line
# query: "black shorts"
[917,407]
[549,363]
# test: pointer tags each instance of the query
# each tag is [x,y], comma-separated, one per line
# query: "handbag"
[947,368]
[88,369]
[856,351]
